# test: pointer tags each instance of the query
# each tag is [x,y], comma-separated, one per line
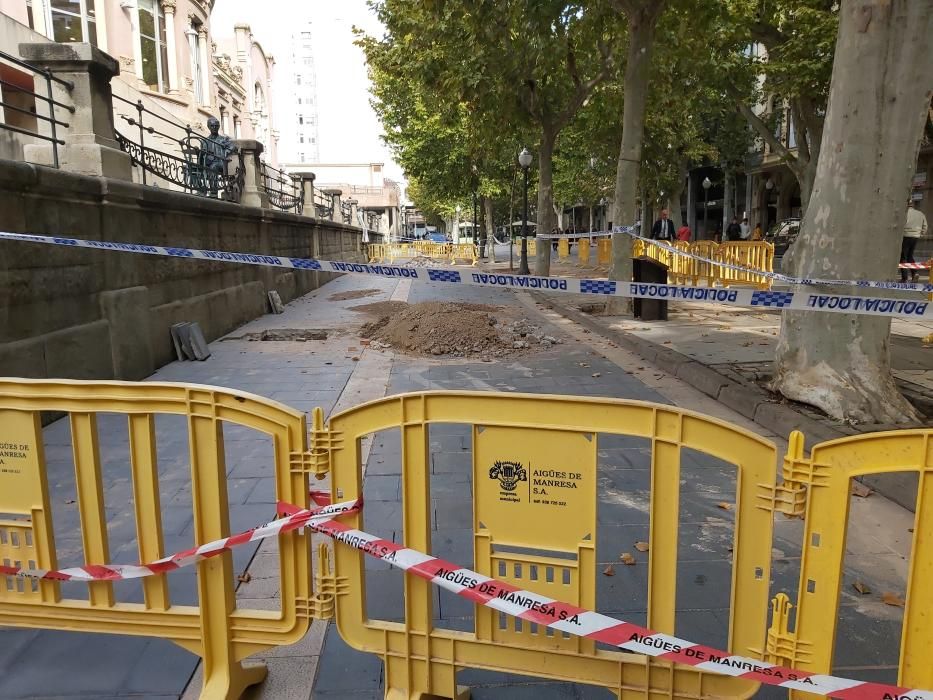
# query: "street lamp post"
[524,160]
[706,185]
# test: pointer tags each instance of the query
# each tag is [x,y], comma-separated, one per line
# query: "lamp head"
[524,158]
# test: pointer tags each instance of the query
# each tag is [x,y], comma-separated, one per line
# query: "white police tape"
[777,276]
[582,234]
[782,300]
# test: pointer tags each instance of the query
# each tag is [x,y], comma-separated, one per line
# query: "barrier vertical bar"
[91,502]
[223,676]
[917,633]
[147,506]
[665,519]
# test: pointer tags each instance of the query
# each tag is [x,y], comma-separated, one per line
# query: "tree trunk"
[806,177]
[677,193]
[641,26]
[727,203]
[546,217]
[880,92]
[490,228]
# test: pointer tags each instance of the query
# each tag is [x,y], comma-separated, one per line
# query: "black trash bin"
[652,272]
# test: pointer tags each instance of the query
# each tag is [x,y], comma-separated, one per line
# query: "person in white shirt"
[745,231]
[914,229]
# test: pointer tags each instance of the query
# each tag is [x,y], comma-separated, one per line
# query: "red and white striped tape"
[117,572]
[914,266]
[504,597]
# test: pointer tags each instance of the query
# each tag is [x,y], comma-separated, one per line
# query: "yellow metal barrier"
[757,255]
[583,251]
[546,542]
[819,488]
[464,251]
[604,251]
[218,630]
[699,270]
[686,270]
[563,248]
[532,246]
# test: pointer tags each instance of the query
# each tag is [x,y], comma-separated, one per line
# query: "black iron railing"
[284,191]
[18,99]
[323,206]
[204,164]
[347,212]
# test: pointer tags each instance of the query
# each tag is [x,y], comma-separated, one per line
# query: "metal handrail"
[283,190]
[323,207]
[48,98]
[204,166]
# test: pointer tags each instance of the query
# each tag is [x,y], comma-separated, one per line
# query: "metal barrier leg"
[225,678]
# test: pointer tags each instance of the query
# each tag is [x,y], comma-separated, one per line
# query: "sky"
[349,130]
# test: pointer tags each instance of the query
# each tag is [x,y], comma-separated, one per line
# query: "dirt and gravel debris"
[452,329]
[354,294]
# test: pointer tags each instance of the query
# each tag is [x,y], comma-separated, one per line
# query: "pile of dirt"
[452,329]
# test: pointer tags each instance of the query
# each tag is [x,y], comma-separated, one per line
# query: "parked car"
[436,237]
[782,235]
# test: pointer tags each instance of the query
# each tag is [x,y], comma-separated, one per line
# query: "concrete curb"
[742,397]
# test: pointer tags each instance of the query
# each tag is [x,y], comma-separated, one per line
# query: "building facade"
[169,59]
[301,138]
[366,183]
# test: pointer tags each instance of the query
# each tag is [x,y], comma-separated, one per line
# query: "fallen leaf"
[69,501]
[641,546]
[724,505]
[910,529]
[351,349]
[627,559]
[355,359]
[595,374]
[861,490]
[892,599]
[364,343]
[609,571]
[861,588]
[666,342]
[244,577]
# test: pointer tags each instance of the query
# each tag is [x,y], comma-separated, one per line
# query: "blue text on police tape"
[520,281]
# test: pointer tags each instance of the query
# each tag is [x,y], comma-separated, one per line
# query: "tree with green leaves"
[798,37]
[882,79]
[516,67]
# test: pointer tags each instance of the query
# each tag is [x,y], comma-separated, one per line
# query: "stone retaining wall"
[87,314]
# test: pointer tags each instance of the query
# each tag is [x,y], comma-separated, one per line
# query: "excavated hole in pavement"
[300,335]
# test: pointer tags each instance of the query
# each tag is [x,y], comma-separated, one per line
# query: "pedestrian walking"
[683,233]
[758,234]
[914,228]
[746,230]
[663,229]
[733,230]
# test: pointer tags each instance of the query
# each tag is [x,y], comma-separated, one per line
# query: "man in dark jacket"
[663,229]
[734,231]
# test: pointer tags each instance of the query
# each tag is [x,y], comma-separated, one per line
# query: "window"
[72,20]
[224,121]
[153,48]
[236,128]
[301,119]
[301,139]
[29,16]
[297,80]
[299,100]
[194,48]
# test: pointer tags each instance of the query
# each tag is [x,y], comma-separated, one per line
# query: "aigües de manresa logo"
[509,474]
